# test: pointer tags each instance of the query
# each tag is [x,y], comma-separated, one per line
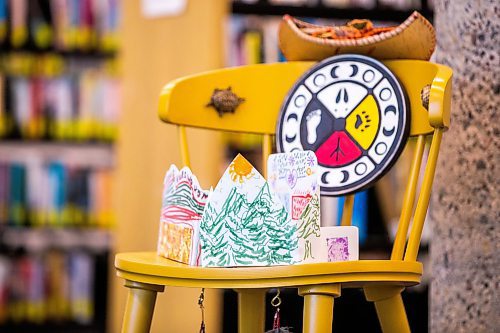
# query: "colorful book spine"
[54,286]
[17,196]
[3,21]
[63,99]
[81,287]
[38,193]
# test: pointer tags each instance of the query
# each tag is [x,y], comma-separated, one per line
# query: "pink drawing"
[338,249]
[299,203]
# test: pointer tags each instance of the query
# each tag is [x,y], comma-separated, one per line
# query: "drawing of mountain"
[236,231]
[183,198]
[182,207]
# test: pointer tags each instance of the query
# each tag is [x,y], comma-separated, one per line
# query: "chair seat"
[148,267]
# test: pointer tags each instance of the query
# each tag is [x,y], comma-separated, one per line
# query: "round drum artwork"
[352,112]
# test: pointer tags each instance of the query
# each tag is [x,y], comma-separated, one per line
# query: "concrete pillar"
[465,205]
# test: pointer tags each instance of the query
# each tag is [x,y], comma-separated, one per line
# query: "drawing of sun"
[240,169]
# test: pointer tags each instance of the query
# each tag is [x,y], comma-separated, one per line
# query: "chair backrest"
[185,103]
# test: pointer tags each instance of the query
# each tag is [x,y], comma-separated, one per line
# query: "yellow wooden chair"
[264,87]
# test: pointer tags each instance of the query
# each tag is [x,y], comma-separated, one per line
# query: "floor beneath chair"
[352,312]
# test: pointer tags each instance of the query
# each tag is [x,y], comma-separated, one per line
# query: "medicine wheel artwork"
[351,111]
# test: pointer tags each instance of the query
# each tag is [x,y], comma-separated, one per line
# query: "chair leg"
[251,310]
[390,308]
[140,305]
[318,307]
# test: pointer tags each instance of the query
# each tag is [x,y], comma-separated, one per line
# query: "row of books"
[63,25]
[365,4]
[39,193]
[50,287]
[252,39]
[74,102]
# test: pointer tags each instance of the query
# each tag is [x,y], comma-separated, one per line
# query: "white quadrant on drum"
[342,97]
[293,115]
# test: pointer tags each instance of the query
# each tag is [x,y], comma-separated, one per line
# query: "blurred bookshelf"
[377,10]
[59,106]
[252,37]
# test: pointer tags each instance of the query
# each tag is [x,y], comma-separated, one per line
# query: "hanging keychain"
[201,299]
[276,302]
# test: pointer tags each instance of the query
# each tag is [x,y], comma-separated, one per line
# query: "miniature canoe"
[415,38]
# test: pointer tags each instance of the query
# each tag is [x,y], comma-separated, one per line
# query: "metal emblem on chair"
[425,95]
[225,101]
[352,112]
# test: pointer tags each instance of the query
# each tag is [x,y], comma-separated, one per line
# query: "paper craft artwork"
[294,178]
[339,244]
[244,223]
[183,204]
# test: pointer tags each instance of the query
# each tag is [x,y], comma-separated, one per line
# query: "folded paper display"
[338,244]
[248,221]
[294,178]
[244,222]
[182,207]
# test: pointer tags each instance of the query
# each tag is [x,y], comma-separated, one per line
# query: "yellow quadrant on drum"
[363,122]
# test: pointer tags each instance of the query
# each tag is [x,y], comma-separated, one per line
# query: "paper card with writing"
[244,223]
[294,178]
[339,244]
[182,207]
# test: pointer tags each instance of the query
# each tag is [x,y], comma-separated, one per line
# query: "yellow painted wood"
[408,200]
[147,267]
[390,308]
[251,310]
[423,199]
[318,307]
[184,146]
[267,146]
[381,292]
[347,210]
[392,316]
[414,75]
[265,86]
[440,98]
[140,306]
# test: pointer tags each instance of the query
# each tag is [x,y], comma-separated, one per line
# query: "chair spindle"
[184,146]
[408,200]
[267,146]
[347,210]
[423,200]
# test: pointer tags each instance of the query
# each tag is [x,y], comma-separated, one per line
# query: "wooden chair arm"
[440,98]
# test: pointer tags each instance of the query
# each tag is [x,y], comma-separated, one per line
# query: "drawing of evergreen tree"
[218,231]
[276,233]
[309,225]
[248,233]
[309,219]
